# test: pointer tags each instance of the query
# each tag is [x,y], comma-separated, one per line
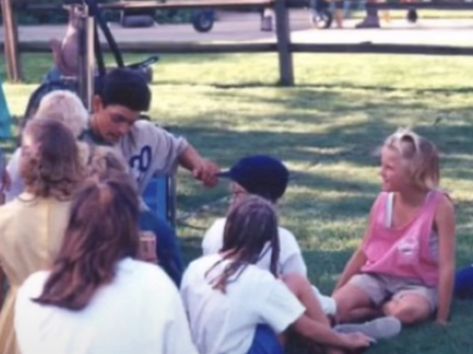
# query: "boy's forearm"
[202,169]
[189,158]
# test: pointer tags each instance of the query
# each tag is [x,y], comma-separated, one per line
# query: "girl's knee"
[344,303]
[349,297]
[407,312]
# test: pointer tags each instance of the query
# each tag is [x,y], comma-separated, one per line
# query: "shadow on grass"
[413,90]
[353,143]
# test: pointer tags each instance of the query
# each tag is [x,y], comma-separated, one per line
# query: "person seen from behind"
[235,306]
[60,105]
[98,298]
[106,162]
[32,225]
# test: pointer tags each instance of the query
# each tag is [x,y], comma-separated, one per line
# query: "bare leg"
[302,289]
[409,309]
[364,314]
[351,303]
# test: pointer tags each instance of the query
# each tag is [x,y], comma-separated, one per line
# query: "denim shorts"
[265,342]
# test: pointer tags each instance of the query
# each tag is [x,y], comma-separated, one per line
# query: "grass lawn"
[326,129]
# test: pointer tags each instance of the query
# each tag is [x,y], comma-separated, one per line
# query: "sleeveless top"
[410,251]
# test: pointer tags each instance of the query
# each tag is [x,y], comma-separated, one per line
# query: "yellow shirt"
[31,233]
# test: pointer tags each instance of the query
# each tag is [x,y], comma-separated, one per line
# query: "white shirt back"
[290,255]
[140,311]
[225,323]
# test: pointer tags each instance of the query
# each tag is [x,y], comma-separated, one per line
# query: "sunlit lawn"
[326,129]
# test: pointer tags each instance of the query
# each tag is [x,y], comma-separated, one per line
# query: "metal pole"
[86,72]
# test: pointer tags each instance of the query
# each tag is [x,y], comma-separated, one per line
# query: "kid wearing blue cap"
[268,178]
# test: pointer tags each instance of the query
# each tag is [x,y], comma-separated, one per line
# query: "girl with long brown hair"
[236,307]
[98,298]
[32,225]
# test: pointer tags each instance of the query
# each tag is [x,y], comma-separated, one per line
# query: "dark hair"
[251,224]
[124,87]
[52,168]
[102,230]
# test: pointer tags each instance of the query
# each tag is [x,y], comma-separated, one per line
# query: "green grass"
[326,129]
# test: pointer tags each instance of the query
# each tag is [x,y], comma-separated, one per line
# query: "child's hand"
[206,172]
[358,340]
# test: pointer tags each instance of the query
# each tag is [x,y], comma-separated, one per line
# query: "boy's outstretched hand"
[206,171]
[202,169]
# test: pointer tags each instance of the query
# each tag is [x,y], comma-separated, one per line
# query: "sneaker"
[379,328]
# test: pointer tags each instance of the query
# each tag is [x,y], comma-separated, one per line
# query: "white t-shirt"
[139,312]
[226,323]
[290,255]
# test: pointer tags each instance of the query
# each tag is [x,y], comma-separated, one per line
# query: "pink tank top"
[404,252]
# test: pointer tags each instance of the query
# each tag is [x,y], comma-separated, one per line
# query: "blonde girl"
[405,264]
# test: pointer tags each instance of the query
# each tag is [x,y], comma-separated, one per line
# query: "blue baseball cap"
[261,175]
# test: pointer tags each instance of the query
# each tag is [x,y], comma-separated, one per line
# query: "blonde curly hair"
[65,107]
[50,163]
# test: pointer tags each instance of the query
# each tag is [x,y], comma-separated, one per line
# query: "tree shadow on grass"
[385,88]
[353,143]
